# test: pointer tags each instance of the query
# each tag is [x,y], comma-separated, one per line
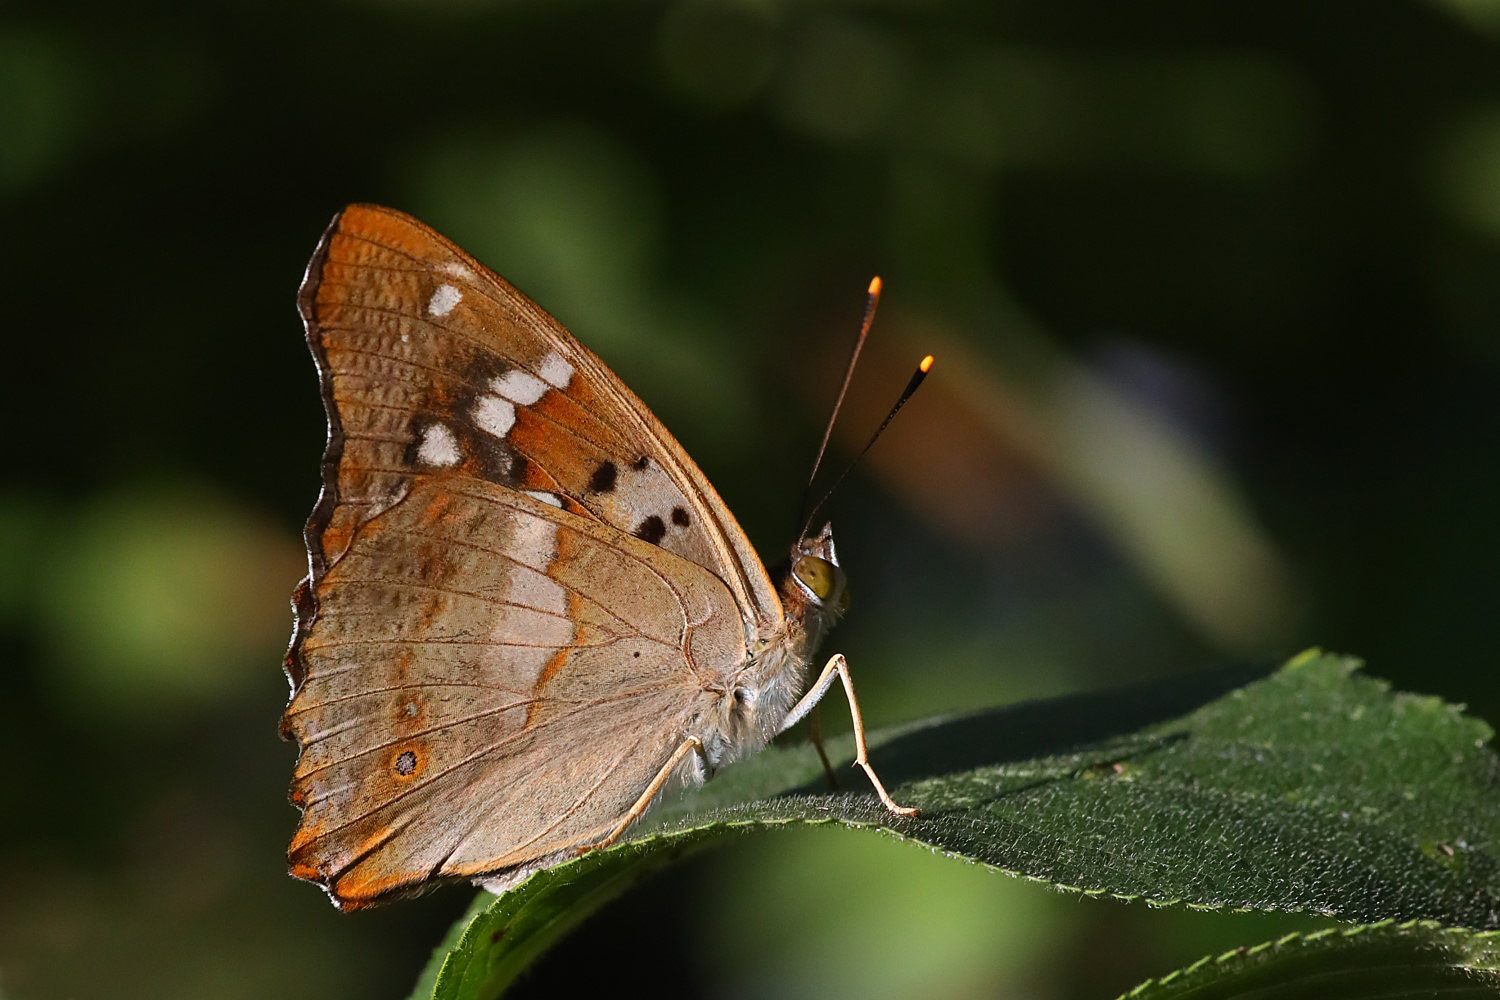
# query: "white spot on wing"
[537,625]
[453,270]
[535,541]
[438,447]
[494,415]
[443,300]
[532,588]
[519,387]
[545,497]
[556,370]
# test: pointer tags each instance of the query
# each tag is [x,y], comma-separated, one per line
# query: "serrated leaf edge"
[1303,938]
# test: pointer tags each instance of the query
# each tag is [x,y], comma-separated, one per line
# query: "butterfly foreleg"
[815,737]
[807,707]
[690,745]
[838,667]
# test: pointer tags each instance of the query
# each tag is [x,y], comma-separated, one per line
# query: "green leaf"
[1372,962]
[1311,789]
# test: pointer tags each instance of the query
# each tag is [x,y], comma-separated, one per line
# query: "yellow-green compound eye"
[817,575]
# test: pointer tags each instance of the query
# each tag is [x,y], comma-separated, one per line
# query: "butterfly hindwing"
[458,682]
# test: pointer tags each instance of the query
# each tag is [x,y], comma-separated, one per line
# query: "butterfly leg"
[839,667]
[690,745]
[815,737]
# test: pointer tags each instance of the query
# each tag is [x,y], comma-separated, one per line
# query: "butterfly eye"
[819,576]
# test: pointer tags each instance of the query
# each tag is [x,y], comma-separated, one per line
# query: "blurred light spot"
[716,55]
[844,81]
[1483,15]
[58,99]
[43,89]
[1173,509]
[1147,484]
[1466,178]
[569,214]
[963,932]
[158,599]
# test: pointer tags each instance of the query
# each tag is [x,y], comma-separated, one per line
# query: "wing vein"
[367,692]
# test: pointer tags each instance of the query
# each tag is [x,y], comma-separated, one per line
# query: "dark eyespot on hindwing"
[651,529]
[406,764]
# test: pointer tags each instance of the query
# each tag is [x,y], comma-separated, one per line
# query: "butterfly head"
[815,591]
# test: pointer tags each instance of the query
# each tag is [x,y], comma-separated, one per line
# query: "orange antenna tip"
[925,365]
[875,284]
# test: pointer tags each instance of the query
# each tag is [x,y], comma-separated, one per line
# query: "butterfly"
[527,612]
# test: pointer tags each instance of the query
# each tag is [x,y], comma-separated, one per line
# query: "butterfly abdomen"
[756,700]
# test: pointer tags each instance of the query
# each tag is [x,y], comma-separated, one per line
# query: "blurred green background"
[1214,290]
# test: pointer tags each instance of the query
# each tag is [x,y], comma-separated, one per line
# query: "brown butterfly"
[527,612]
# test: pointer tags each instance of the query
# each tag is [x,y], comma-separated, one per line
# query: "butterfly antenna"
[872,299]
[923,367]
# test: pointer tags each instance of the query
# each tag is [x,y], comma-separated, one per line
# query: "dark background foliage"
[1213,290]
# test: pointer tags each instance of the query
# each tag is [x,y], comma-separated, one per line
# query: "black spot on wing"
[603,479]
[652,529]
[639,465]
[680,517]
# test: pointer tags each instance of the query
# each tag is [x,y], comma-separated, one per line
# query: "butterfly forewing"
[521,591]
[433,363]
